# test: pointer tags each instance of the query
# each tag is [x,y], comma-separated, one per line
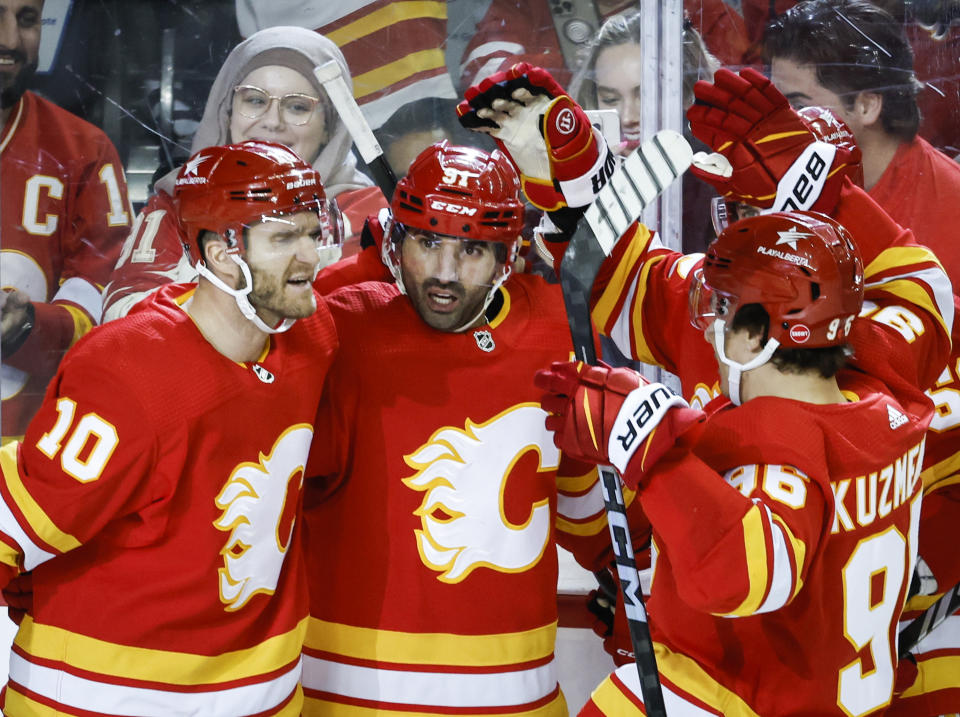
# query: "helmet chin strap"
[737,369]
[240,295]
[497,283]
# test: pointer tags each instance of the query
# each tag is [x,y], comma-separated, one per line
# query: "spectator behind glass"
[852,57]
[523,31]
[65,216]
[418,124]
[609,78]
[279,61]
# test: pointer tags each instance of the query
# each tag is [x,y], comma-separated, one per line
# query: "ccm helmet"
[223,189]
[801,267]
[460,192]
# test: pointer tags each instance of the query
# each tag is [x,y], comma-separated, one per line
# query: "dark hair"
[827,360]
[855,47]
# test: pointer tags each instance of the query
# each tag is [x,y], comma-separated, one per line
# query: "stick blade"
[642,176]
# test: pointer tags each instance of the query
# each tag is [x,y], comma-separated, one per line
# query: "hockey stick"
[921,626]
[636,183]
[330,76]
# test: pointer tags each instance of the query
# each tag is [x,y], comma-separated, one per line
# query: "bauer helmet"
[224,189]
[803,268]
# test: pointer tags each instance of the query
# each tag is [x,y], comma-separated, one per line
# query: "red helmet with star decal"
[803,268]
[223,189]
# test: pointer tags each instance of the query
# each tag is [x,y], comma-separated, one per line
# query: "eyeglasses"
[253,103]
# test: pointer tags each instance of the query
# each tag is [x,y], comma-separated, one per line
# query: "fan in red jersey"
[156,504]
[65,216]
[436,468]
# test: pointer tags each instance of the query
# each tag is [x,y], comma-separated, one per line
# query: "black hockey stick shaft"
[923,625]
[581,263]
[330,76]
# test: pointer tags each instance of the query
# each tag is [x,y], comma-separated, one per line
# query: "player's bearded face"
[447,278]
[19,47]
[283,258]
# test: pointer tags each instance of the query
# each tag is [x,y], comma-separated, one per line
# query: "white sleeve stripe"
[84,294]
[781,579]
[33,555]
[490,48]
[938,283]
[581,506]
[620,332]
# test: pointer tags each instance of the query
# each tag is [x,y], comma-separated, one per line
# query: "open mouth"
[442,301]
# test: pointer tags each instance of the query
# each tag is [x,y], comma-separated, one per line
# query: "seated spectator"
[266,91]
[609,78]
[65,215]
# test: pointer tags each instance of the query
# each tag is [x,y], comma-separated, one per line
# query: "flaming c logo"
[464,475]
[259,502]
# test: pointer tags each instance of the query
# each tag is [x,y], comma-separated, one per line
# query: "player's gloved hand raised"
[562,159]
[765,153]
[613,416]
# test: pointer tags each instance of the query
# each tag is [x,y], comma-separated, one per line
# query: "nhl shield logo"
[484,341]
[263,374]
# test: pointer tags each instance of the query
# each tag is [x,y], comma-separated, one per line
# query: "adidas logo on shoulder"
[897,419]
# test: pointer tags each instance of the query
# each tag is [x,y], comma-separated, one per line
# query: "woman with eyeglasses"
[265,90]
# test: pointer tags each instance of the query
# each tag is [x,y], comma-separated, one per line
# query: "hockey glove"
[604,415]
[765,153]
[562,159]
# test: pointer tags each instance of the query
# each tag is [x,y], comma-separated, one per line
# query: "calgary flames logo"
[259,503]
[464,474]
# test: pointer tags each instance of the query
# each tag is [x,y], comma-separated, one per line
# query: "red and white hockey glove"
[613,416]
[765,153]
[562,159]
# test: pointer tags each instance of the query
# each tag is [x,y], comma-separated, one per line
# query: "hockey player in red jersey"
[65,216]
[265,91]
[773,520]
[157,503]
[442,493]
[768,156]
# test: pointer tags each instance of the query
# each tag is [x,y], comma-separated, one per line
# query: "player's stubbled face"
[447,278]
[282,255]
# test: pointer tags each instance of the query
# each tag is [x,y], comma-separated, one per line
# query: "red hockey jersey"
[751,553]
[736,579]
[153,254]
[65,216]
[438,523]
[156,503]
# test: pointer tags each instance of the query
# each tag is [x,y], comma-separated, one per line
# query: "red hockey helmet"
[463,192]
[801,267]
[222,189]
[826,127]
